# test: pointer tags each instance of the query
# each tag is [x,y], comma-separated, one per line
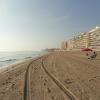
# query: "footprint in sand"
[69,81]
[95,77]
[53,98]
[49,90]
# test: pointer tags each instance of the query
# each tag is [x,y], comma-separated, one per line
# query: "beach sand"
[63,75]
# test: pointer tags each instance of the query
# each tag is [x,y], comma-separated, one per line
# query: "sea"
[9,58]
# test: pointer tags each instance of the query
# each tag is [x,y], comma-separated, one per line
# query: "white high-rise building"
[94,38]
[89,39]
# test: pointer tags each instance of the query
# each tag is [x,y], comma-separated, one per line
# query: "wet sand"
[57,76]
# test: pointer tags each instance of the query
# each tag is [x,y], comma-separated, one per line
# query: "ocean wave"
[27,57]
[8,60]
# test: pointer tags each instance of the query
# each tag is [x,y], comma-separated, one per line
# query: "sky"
[39,24]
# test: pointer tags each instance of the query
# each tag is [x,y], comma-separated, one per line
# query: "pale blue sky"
[39,24]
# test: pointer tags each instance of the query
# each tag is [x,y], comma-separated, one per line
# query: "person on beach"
[93,55]
[87,54]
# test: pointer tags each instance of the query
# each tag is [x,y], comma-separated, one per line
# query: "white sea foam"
[8,58]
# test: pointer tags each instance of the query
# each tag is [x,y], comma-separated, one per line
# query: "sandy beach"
[62,75]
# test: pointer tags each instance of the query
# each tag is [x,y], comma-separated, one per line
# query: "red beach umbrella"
[87,49]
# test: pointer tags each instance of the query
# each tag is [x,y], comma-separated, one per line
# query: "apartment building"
[89,39]
[94,38]
[70,44]
[64,45]
[80,41]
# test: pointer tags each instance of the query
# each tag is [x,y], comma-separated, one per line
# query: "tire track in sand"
[58,83]
[27,94]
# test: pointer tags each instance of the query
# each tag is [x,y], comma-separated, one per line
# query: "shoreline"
[9,58]
[10,66]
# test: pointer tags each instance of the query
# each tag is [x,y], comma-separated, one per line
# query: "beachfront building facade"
[64,45]
[80,41]
[83,40]
[70,44]
[94,38]
[89,39]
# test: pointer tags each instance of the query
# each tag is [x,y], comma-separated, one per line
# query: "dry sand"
[57,76]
